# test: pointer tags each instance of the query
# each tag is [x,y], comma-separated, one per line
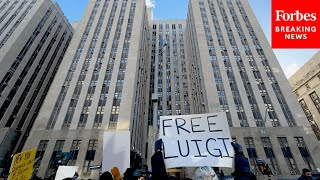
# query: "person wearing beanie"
[157,163]
[241,164]
[205,173]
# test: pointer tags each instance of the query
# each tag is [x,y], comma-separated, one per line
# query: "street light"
[263,129]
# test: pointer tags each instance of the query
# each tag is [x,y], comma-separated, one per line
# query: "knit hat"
[158,145]
[205,173]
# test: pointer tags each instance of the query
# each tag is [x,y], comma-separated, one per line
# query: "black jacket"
[242,168]
[158,167]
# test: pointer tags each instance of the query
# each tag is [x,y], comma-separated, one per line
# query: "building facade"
[124,70]
[169,93]
[306,85]
[34,36]
[100,87]
[233,69]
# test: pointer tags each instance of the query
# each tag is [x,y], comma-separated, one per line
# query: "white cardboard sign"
[66,172]
[116,150]
[196,140]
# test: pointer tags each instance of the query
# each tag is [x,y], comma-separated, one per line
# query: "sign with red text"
[196,140]
[295,24]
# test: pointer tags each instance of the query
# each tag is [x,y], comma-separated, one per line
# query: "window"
[40,152]
[307,86]
[310,118]
[316,100]
[305,153]
[288,155]
[271,159]
[91,152]
[57,148]
[75,147]
[252,153]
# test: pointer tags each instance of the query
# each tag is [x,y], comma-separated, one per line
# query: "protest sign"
[22,165]
[66,172]
[196,140]
[116,150]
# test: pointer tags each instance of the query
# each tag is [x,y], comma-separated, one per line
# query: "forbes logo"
[281,15]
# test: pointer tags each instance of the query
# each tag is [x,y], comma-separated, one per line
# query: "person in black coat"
[106,176]
[306,174]
[241,164]
[157,163]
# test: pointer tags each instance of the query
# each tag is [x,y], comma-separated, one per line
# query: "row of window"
[107,78]
[16,23]
[24,73]
[13,5]
[34,76]
[141,100]
[232,82]
[122,69]
[249,145]
[173,26]
[216,70]
[84,70]
[65,87]
[242,71]
[176,79]
[5,80]
[75,148]
[4,5]
[275,86]
[271,156]
[316,100]
[196,82]
[95,74]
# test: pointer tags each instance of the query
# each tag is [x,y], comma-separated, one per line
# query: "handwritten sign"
[196,140]
[22,165]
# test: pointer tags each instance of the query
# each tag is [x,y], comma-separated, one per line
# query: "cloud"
[291,69]
[150,3]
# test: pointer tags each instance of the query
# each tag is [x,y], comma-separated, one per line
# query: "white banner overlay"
[196,140]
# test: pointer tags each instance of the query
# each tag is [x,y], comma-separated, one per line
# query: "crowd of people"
[241,164]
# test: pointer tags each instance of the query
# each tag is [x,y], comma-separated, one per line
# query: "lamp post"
[263,130]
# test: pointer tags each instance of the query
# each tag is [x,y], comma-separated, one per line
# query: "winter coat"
[242,168]
[158,167]
[303,177]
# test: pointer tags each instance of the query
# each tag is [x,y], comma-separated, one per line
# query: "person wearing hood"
[157,163]
[241,164]
[205,173]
